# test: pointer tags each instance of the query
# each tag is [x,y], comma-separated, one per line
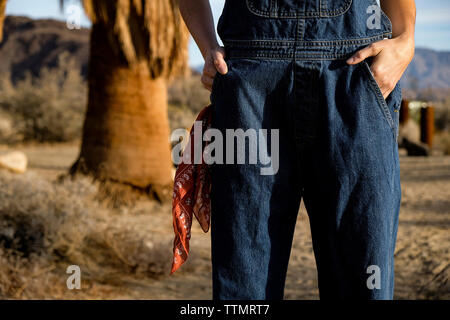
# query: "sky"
[432,27]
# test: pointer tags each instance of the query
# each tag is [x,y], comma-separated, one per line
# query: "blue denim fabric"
[338,150]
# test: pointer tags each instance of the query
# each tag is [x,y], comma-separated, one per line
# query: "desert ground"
[125,252]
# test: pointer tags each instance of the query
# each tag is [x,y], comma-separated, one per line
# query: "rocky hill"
[429,69]
[30,45]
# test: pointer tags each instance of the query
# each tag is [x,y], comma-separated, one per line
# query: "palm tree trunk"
[2,17]
[126,130]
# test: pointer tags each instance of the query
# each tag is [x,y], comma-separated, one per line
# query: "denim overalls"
[337,149]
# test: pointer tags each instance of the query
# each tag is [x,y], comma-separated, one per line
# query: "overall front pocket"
[298,8]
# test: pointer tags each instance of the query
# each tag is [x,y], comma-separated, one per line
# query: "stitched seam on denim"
[397,126]
[325,41]
[273,13]
[323,5]
[338,12]
[298,28]
[268,43]
[302,29]
[286,55]
[300,54]
[298,58]
[380,98]
[399,104]
[294,70]
[397,111]
[294,14]
[260,52]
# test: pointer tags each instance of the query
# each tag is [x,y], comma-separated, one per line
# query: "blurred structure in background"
[416,129]
[427,125]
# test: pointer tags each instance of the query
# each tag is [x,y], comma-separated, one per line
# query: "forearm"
[402,14]
[199,20]
[391,56]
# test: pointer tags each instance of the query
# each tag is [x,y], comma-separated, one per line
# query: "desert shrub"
[180,117]
[51,107]
[10,130]
[44,223]
[36,277]
[188,93]
[442,142]
[442,114]
[442,123]
[187,98]
[48,108]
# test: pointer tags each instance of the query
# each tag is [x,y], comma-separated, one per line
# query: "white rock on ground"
[15,161]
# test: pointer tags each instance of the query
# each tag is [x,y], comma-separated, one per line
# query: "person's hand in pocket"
[391,58]
[214,62]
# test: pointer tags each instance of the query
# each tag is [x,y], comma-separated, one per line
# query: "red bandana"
[191,190]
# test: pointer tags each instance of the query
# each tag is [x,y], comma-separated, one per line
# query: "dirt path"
[422,255]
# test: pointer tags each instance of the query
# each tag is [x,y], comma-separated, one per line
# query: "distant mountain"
[429,69]
[30,45]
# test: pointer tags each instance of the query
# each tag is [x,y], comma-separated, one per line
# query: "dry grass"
[125,252]
[46,226]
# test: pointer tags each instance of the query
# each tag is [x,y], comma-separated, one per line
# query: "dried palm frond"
[144,30]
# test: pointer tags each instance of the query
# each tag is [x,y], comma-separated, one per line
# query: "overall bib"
[337,149]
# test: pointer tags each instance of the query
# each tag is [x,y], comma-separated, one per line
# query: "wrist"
[407,40]
[405,34]
[211,46]
[407,43]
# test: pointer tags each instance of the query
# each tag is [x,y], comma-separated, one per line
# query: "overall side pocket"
[389,106]
[216,81]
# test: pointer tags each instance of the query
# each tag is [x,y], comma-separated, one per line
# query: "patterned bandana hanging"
[191,191]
